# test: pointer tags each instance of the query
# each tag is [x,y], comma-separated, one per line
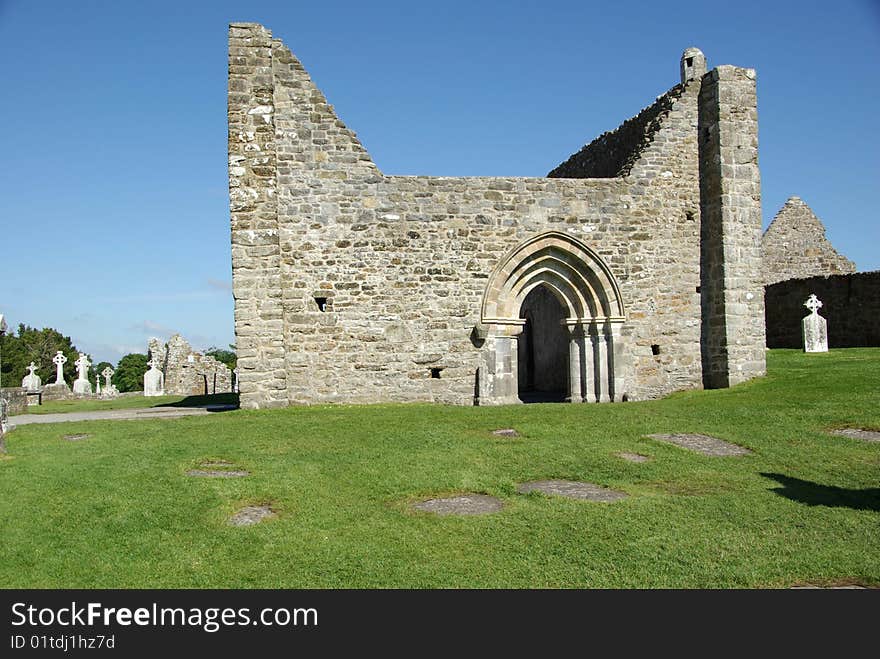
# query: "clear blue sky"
[113,193]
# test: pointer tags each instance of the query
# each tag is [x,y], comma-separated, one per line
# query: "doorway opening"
[542,349]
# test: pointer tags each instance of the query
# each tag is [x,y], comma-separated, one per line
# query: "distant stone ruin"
[795,246]
[187,372]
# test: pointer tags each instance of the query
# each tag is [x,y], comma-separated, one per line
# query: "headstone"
[815,328]
[59,360]
[109,388]
[154,380]
[82,385]
[32,381]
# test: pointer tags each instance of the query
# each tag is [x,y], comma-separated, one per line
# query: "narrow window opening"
[698,289]
[689,61]
[435,373]
[322,303]
[655,349]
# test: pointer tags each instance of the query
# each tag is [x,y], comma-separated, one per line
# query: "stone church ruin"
[632,270]
[186,372]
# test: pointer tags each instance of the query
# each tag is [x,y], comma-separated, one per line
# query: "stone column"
[498,376]
[616,355]
[575,362]
[591,351]
[604,349]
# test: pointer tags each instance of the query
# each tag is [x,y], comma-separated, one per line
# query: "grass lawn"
[130,402]
[116,510]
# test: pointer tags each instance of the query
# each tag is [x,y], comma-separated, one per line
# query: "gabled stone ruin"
[795,246]
[630,271]
[187,372]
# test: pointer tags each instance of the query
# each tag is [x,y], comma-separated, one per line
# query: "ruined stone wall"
[851,305]
[187,372]
[354,286]
[616,152]
[795,246]
[16,400]
[731,287]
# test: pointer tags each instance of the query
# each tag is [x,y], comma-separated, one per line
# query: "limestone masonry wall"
[16,399]
[795,246]
[730,207]
[851,305]
[187,372]
[355,286]
[614,153]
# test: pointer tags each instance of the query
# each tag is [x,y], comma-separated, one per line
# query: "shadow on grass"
[220,401]
[814,494]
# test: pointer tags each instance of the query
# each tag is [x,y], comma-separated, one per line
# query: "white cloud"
[152,329]
[220,285]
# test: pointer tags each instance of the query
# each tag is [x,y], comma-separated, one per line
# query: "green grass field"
[117,510]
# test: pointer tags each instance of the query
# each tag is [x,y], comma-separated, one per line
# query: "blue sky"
[114,218]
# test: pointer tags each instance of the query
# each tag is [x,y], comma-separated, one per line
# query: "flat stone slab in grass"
[702,444]
[252,515]
[463,504]
[218,473]
[572,490]
[633,457]
[858,433]
[217,469]
[77,437]
[505,432]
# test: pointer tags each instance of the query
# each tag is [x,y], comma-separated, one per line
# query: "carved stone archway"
[595,314]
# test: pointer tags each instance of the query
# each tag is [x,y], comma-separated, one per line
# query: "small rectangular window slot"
[322,303]
[435,373]
[699,289]
[655,349]
[689,61]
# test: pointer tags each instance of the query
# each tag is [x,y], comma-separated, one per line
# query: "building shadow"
[815,494]
[211,402]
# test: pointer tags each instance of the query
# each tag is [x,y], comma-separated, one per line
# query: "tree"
[129,375]
[38,346]
[95,370]
[228,357]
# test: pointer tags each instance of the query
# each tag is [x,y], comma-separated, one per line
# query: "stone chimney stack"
[693,65]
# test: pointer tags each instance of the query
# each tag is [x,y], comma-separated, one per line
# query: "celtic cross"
[813,303]
[59,360]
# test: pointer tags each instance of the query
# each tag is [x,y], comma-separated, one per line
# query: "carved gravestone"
[32,381]
[814,327]
[110,389]
[59,360]
[82,385]
[57,390]
[154,380]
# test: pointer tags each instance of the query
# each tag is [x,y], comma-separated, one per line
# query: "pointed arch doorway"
[551,324]
[542,349]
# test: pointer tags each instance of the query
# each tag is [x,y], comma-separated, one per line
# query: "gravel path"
[147,413]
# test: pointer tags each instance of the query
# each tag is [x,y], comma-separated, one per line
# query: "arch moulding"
[588,291]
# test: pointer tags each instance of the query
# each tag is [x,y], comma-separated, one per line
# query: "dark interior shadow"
[814,494]
[212,402]
[542,396]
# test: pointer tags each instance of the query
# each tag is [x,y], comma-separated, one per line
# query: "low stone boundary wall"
[17,400]
[850,304]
